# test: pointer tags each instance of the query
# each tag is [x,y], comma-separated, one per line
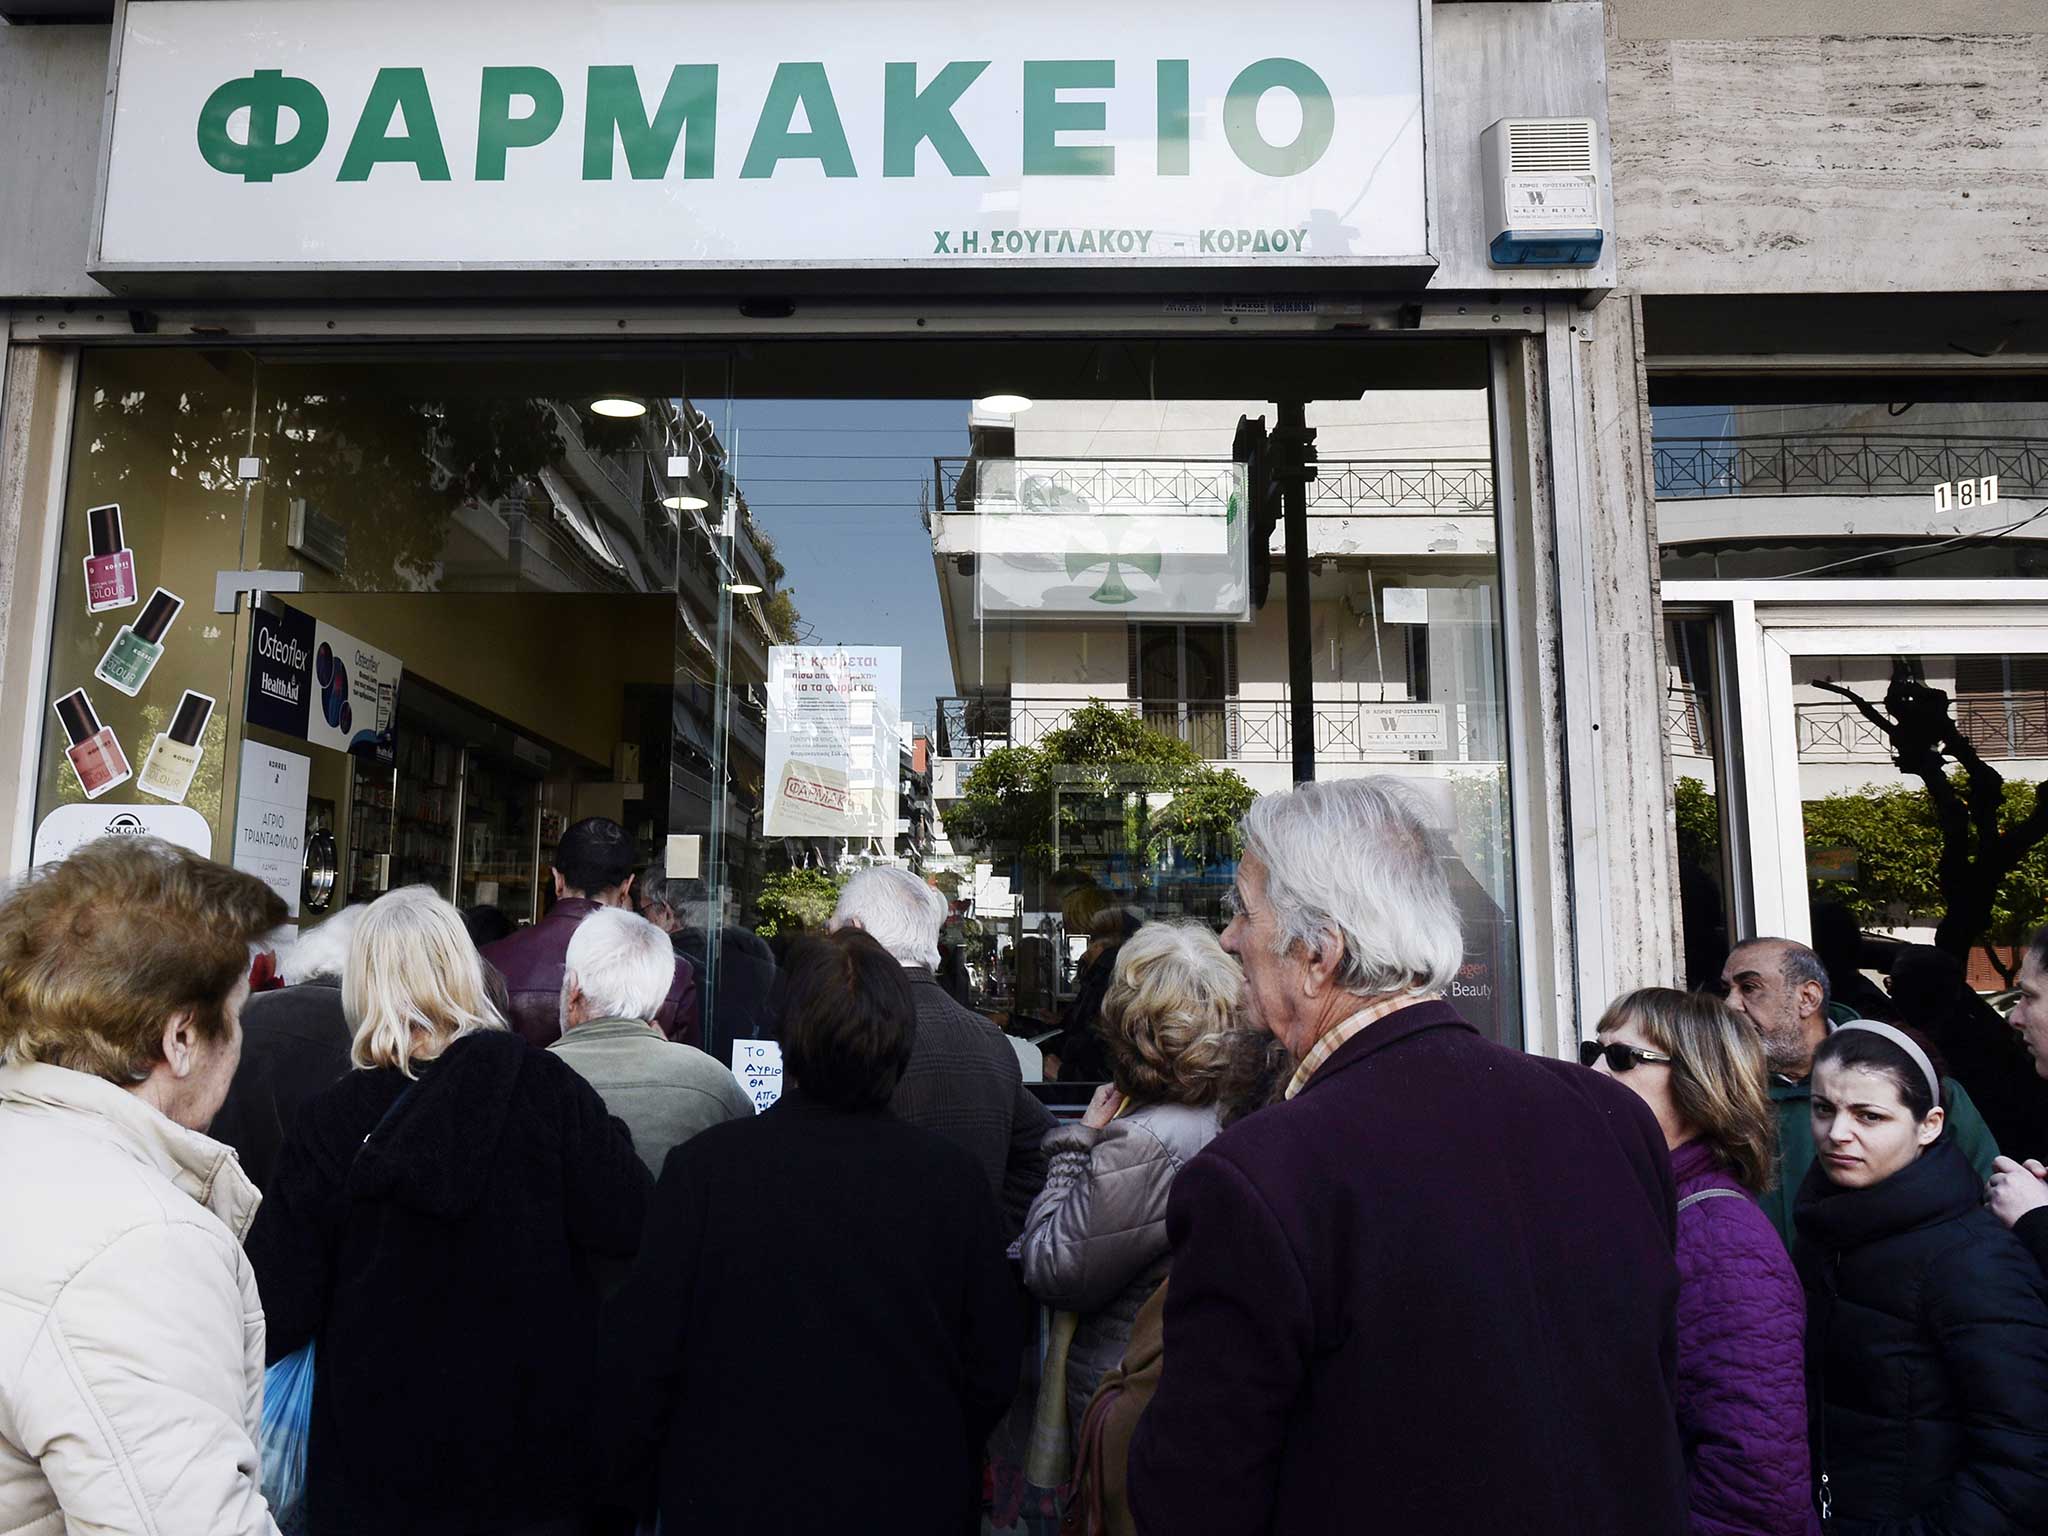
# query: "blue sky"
[835,484]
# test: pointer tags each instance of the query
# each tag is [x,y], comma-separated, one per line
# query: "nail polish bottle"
[110,568]
[95,755]
[174,756]
[139,646]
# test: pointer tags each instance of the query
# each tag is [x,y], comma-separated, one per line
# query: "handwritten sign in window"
[758,1066]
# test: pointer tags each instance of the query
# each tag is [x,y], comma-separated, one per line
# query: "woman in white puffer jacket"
[131,1335]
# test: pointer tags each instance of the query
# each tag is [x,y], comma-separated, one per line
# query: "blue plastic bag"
[287,1425]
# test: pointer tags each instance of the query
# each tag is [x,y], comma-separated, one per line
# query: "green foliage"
[1201,820]
[1897,843]
[1006,805]
[793,900]
[1699,823]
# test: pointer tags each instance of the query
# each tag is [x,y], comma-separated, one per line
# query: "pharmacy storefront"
[819,436]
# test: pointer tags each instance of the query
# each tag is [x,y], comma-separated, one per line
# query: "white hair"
[622,964]
[320,952]
[1352,859]
[897,910]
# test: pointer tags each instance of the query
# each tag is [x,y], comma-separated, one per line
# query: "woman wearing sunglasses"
[1741,1388]
[1927,1321]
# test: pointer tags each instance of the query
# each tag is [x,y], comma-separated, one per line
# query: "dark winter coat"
[1435,1294]
[295,1044]
[746,981]
[819,1333]
[447,1269]
[2033,1231]
[1927,1355]
[963,1082]
[1741,1370]
[531,963]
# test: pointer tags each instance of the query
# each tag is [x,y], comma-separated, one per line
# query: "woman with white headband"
[1926,1321]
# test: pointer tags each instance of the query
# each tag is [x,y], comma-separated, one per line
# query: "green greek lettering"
[616,112]
[1241,117]
[808,86]
[910,117]
[1046,117]
[1173,117]
[396,91]
[260,156]
[497,130]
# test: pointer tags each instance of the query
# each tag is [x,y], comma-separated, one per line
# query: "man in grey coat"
[615,978]
[964,1081]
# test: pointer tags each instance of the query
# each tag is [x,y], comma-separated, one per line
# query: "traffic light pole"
[1292,426]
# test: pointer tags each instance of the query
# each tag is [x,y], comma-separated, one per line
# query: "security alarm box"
[1543,204]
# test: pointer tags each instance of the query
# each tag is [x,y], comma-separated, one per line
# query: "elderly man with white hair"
[1433,1290]
[616,978]
[963,1080]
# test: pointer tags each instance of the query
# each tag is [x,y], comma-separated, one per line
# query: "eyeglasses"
[1620,1058]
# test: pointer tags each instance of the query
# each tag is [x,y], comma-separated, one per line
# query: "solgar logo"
[127,824]
[269,124]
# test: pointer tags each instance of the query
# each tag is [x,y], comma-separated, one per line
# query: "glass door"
[1904,767]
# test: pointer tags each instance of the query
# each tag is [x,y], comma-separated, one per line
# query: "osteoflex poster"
[834,731]
[355,694]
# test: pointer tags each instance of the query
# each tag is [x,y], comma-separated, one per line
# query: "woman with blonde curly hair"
[1094,1242]
[1741,1316]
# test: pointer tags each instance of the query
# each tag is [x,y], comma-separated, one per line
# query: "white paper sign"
[615,133]
[682,855]
[270,818]
[834,740]
[72,826]
[1111,539]
[1403,728]
[758,1066]
[1404,605]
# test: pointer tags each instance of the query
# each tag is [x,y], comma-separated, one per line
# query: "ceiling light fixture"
[619,406]
[1004,405]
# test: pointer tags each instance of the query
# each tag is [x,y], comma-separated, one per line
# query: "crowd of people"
[1317,1257]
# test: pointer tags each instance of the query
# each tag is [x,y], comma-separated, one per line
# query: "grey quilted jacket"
[1095,1240]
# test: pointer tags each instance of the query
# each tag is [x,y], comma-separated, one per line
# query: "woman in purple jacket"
[1741,1313]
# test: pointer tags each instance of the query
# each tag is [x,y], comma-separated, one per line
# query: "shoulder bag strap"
[1710,1194]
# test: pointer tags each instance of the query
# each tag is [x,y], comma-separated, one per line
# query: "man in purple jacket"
[593,869]
[1433,1292]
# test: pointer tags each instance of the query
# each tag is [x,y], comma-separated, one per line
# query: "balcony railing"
[1998,725]
[1685,723]
[1844,464]
[1221,730]
[1397,487]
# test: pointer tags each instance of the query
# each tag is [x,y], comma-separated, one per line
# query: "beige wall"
[1831,165]
[1824,18]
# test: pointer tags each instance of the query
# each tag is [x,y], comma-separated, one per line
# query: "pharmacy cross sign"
[537,133]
